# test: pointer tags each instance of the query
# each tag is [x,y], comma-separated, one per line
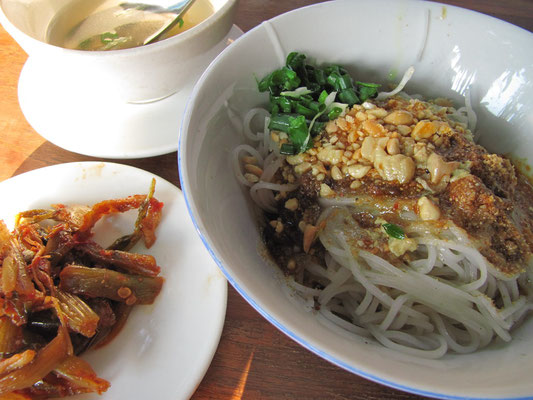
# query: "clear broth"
[105,25]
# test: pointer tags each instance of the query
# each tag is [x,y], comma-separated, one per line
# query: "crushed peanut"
[292,204]
[427,210]
[394,140]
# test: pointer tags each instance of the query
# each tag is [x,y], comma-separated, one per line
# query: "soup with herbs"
[114,25]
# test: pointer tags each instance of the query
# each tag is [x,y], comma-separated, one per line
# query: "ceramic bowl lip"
[227,270]
[172,41]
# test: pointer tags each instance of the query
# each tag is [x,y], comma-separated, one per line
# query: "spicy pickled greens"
[62,293]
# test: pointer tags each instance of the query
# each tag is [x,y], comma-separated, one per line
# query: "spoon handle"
[165,28]
[154,8]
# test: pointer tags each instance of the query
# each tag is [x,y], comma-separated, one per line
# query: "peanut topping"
[439,169]
[398,167]
[399,117]
[394,140]
[325,191]
[427,210]
[291,204]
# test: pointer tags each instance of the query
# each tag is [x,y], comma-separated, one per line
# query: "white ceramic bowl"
[138,74]
[371,38]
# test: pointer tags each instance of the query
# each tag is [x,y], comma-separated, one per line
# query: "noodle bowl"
[454,63]
[446,285]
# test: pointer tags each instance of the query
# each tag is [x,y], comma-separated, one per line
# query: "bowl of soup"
[96,46]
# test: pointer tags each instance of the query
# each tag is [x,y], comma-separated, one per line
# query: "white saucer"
[96,126]
[164,349]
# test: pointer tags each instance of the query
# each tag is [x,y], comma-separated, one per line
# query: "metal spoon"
[179,9]
[154,8]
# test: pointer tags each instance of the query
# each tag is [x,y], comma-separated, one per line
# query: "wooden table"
[254,360]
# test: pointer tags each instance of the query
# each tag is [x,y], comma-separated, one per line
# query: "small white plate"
[164,349]
[99,126]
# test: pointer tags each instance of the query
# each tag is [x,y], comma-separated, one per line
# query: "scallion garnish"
[84,44]
[394,231]
[279,122]
[335,112]
[108,37]
[287,149]
[302,98]
[299,132]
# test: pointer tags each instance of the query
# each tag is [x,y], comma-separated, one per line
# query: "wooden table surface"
[254,360]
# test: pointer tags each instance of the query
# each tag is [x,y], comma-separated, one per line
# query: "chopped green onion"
[302,98]
[301,91]
[315,106]
[334,113]
[394,231]
[342,106]
[280,80]
[108,37]
[287,149]
[296,60]
[368,84]
[303,110]
[348,96]
[317,128]
[320,77]
[366,93]
[367,90]
[323,96]
[84,44]
[282,102]
[346,82]
[279,122]
[337,81]
[299,132]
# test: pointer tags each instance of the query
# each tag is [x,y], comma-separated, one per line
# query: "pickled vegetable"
[62,293]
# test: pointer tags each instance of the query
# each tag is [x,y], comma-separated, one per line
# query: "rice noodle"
[406,77]
[426,317]
[259,113]
[446,298]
